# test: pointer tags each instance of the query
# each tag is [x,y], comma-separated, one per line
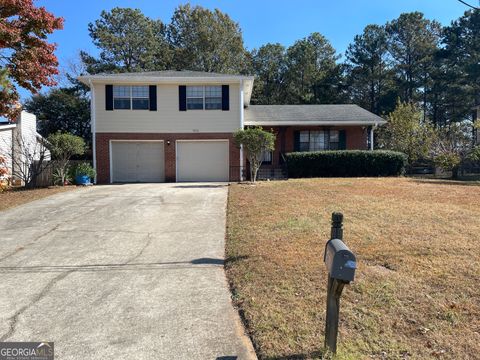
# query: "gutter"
[306,123]
[133,79]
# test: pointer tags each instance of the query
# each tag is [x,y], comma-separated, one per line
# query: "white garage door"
[141,161]
[202,160]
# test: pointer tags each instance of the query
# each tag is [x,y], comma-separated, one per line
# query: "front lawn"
[17,196]
[416,293]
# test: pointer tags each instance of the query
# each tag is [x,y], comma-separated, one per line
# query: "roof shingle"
[344,114]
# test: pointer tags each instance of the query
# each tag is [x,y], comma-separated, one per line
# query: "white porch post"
[241,127]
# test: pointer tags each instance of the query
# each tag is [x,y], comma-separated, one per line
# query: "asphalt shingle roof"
[173,74]
[309,114]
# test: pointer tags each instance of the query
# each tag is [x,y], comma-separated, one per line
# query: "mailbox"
[339,260]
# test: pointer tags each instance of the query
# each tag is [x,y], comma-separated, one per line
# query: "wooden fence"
[46,176]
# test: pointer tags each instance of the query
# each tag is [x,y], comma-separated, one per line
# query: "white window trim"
[204,97]
[131,97]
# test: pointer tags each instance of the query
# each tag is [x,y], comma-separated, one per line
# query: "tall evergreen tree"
[129,41]
[369,77]
[206,40]
[312,73]
[269,65]
[412,43]
[461,66]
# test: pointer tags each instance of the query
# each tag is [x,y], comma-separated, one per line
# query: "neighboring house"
[476,122]
[20,144]
[178,126]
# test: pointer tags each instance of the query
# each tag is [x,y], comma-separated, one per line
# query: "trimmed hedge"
[346,163]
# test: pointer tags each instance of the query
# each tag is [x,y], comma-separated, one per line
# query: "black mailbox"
[339,260]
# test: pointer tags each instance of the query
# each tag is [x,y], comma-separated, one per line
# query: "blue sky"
[262,21]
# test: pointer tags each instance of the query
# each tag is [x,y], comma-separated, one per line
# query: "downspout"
[92,125]
[241,126]
[371,135]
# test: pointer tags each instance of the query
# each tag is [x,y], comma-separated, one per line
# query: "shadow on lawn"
[448,182]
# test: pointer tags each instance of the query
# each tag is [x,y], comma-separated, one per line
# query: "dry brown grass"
[17,196]
[416,294]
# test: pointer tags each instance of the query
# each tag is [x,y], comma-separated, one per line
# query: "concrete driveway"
[121,272]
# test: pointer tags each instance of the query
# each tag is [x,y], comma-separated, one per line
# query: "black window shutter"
[182,98]
[296,141]
[225,97]
[152,95]
[108,97]
[342,140]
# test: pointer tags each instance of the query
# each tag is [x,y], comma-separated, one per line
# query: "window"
[319,140]
[334,140]
[130,97]
[204,97]
[140,97]
[121,97]
[213,97]
[267,157]
[195,97]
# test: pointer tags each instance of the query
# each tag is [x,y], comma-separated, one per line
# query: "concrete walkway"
[121,272]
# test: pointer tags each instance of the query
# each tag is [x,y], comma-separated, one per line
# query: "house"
[20,145]
[311,128]
[178,126]
[476,124]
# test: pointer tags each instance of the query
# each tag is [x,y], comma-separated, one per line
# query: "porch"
[311,138]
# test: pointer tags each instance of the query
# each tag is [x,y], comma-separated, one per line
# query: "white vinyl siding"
[168,118]
[130,97]
[6,143]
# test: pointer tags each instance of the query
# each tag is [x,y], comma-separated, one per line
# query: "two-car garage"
[145,161]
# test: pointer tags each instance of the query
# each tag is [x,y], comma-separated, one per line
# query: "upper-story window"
[130,97]
[204,97]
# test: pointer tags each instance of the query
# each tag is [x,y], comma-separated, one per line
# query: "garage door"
[141,161]
[202,160]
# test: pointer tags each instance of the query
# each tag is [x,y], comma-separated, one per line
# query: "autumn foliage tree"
[26,58]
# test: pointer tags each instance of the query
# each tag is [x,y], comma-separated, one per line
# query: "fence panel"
[46,176]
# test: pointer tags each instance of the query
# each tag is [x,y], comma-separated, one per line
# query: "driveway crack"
[140,253]
[14,319]
[30,243]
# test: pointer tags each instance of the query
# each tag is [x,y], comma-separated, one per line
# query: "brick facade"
[356,138]
[102,143]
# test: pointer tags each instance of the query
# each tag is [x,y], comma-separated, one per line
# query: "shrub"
[62,147]
[255,141]
[84,169]
[346,163]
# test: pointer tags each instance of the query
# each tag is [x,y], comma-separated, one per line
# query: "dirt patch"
[17,196]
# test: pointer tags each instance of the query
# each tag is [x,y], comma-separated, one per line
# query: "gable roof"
[345,114]
[173,76]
